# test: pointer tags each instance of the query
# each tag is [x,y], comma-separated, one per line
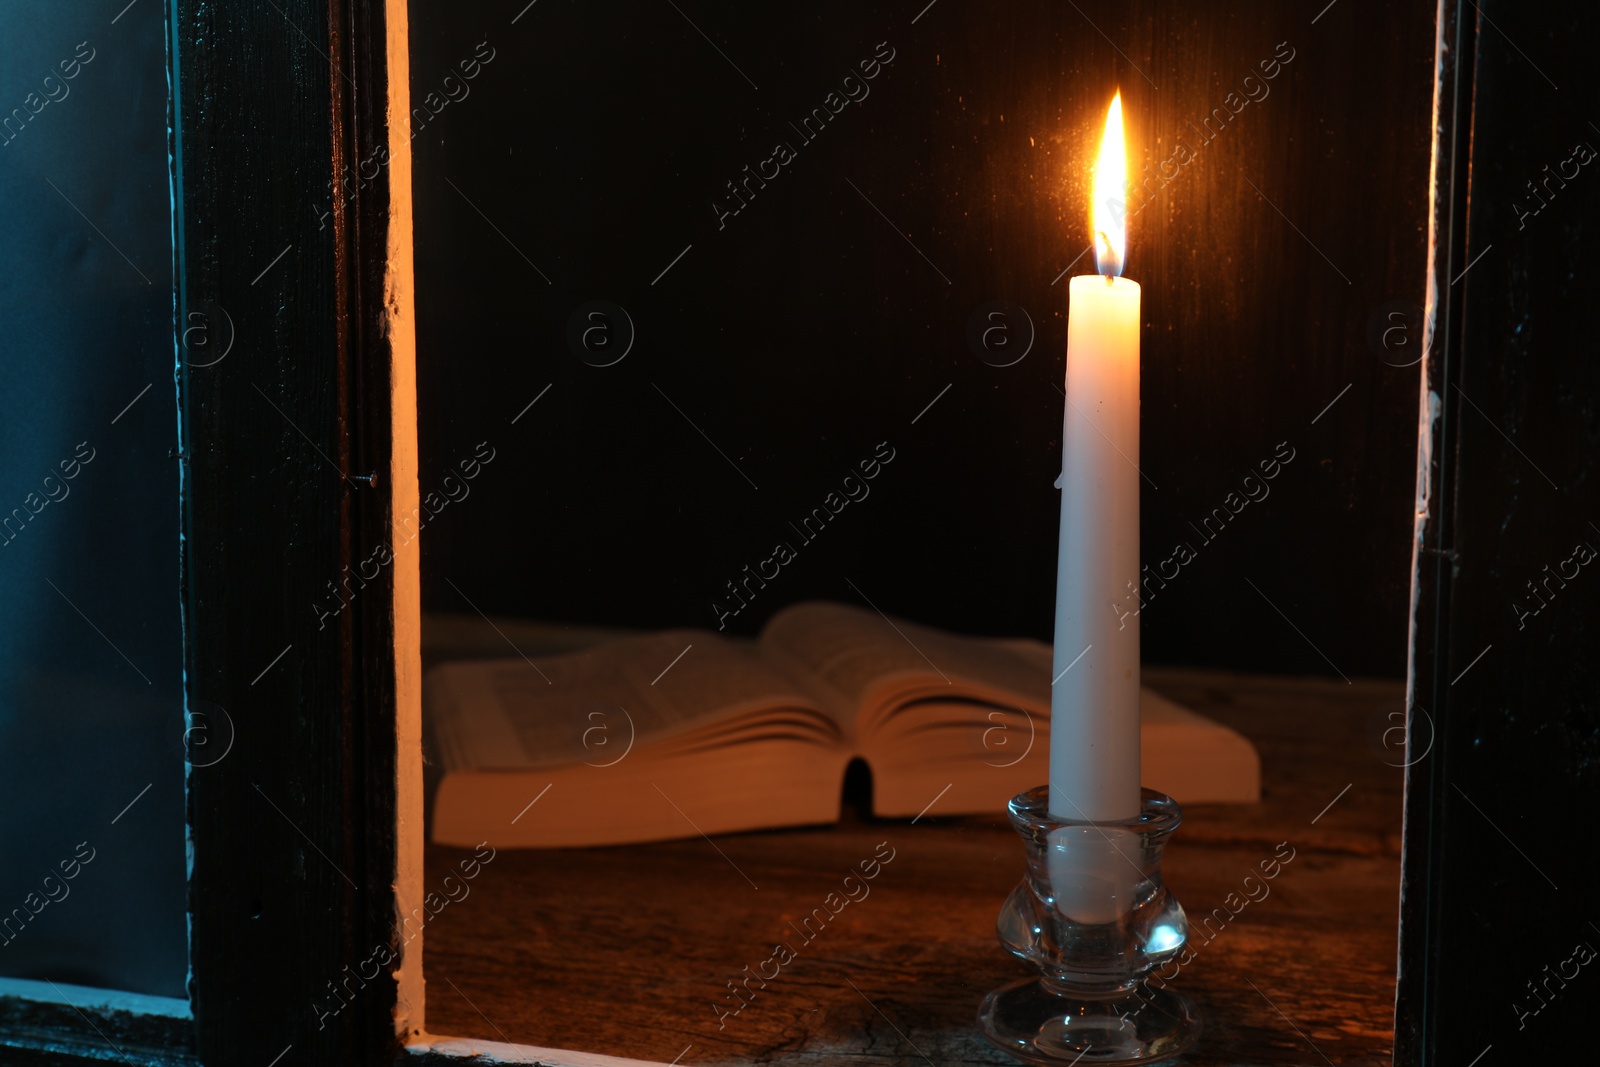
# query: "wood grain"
[625,951]
[294,834]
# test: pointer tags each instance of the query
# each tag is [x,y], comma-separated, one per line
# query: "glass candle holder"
[1094,918]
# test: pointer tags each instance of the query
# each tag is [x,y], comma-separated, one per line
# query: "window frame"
[298,453]
[307,849]
[1467,564]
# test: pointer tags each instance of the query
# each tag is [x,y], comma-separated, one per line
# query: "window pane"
[91,720]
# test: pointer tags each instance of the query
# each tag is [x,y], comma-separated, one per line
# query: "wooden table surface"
[626,951]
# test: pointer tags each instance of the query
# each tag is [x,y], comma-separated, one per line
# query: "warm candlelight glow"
[1108,211]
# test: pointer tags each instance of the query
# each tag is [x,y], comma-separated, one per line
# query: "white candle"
[1094,700]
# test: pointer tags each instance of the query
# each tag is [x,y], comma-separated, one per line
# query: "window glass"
[91,705]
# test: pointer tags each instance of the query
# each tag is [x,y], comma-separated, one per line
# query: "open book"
[683,732]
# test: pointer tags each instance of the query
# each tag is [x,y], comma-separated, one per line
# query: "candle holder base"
[1094,917]
[1039,1025]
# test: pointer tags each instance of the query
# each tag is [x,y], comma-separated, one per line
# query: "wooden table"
[625,951]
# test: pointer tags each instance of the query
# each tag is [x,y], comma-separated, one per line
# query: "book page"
[865,655]
[839,705]
[591,706]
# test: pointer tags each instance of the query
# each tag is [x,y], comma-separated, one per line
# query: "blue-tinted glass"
[91,721]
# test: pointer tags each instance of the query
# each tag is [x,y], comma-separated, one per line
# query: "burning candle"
[1094,699]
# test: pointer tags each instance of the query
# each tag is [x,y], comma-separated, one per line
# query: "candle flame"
[1108,212]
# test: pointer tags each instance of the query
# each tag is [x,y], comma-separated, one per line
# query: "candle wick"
[1105,261]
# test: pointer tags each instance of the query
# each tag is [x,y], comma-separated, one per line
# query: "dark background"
[809,328]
